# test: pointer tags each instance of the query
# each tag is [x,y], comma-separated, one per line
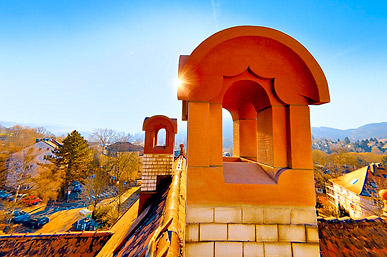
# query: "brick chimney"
[158,158]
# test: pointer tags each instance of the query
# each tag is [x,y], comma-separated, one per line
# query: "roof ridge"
[351,181]
[370,220]
[56,234]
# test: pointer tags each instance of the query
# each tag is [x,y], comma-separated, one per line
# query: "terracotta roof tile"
[353,237]
[54,244]
[141,236]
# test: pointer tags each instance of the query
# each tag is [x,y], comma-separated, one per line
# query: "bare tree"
[96,183]
[104,136]
[13,140]
[48,182]
[19,172]
[43,131]
[124,168]
[123,137]
[20,167]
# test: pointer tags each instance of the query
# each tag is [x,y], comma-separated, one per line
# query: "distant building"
[320,190]
[227,154]
[26,162]
[357,191]
[122,147]
[118,148]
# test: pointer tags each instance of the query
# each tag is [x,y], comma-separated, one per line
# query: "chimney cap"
[383,194]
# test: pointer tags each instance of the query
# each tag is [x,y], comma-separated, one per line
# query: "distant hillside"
[373,130]
[58,130]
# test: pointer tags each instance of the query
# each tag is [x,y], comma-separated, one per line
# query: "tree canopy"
[384,161]
[74,158]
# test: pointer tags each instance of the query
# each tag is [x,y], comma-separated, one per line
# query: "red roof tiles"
[349,237]
[54,244]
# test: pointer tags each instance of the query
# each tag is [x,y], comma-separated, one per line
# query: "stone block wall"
[251,231]
[153,166]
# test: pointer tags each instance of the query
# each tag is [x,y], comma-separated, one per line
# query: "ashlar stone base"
[251,231]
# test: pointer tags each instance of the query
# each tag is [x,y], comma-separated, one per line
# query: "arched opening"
[245,100]
[161,137]
[227,133]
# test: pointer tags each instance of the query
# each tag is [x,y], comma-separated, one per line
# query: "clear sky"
[108,64]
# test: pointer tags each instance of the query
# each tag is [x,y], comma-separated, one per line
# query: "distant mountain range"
[62,130]
[372,130]
[58,130]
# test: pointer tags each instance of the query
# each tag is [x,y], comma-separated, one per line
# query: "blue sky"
[108,64]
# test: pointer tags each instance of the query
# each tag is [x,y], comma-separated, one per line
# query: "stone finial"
[383,195]
[181,148]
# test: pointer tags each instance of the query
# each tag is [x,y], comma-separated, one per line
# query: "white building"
[357,191]
[26,163]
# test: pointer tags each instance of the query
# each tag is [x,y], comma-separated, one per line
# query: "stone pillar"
[300,137]
[198,131]
[272,139]
[245,138]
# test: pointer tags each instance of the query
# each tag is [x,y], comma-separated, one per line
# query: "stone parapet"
[252,214]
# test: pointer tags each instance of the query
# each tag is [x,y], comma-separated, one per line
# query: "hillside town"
[368,145]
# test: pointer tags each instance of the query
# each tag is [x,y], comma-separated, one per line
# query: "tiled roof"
[143,232]
[53,244]
[119,230]
[353,181]
[120,147]
[363,181]
[350,237]
[51,144]
[49,141]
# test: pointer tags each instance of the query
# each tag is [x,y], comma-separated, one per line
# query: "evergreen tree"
[384,161]
[342,212]
[74,159]
[346,141]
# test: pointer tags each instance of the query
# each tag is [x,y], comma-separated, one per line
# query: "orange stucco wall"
[205,186]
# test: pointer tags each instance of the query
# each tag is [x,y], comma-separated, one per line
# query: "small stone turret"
[158,158]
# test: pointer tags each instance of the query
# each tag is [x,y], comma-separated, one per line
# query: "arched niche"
[152,126]
[266,79]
